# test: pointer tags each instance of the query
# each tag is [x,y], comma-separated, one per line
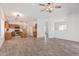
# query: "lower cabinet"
[23,34]
[35,34]
[8,35]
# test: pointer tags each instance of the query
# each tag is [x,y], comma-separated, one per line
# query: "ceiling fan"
[48,7]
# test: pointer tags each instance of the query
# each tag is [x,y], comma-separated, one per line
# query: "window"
[62,27]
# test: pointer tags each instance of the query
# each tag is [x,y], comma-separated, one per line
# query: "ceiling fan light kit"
[49,7]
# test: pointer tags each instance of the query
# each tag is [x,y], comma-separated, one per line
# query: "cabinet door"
[8,35]
[6,24]
[35,34]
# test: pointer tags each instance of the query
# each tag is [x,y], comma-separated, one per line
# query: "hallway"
[39,47]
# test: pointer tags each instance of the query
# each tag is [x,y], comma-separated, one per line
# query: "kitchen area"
[13,30]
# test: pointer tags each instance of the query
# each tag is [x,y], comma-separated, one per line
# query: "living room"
[40,31]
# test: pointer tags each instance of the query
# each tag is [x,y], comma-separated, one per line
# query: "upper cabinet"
[6,24]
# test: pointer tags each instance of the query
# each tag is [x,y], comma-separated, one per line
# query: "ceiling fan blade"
[42,4]
[43,10]
[57,6]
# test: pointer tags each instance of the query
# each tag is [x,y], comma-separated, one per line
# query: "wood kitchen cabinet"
[35,31]
[6,24]
[35,34]
[23,34]
[8,35]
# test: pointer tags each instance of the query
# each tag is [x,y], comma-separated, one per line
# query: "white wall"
[29,29]
[71,33]
[40,28]
[2,32]
[2,19]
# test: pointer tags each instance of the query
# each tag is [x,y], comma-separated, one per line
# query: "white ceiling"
[31,11]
